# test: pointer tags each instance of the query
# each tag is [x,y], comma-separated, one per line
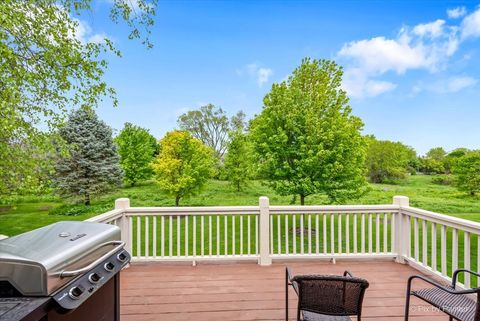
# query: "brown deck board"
[247,291]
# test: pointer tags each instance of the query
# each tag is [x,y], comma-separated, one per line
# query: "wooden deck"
[247,291]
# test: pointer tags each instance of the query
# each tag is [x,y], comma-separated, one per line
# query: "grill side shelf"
[25,309]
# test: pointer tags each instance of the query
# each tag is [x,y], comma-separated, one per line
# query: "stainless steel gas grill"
[69,264]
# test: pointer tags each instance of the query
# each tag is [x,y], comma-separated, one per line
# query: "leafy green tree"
[434,161]
[452,158]
[26,167]
[431,166]
[91,165]
[47,67]
[306,139]
[437,153]
[467,172]
[183,165]
[388,161]
[137,148]
[211,125]
[239,160]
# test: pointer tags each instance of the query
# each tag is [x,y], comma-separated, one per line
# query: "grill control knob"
[75,292]
[121,257]
[94,278]
[109,266]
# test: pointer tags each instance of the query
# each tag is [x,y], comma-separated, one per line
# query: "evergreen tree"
[91,164]
[137,149]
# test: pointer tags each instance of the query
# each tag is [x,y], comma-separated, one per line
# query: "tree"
[25,167]
[183,166]
[211,125]
[306,139]
[239,160]
[434,161]
[452,158]
[437,153]
[431,166]
[467,172]
[91,164]
[388,161]
[137,148]
[47,67]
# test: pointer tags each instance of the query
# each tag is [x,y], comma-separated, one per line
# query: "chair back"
[331,295]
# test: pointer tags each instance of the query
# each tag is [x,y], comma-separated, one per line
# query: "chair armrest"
[289,280]
[289,275]
[455,275]
[348,273]
[438,285]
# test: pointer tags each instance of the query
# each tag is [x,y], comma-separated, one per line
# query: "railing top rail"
[334,209]
[455,222]
[204,210]
[106,217]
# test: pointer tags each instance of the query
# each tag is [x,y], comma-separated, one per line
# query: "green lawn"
[26,213]
[29,212]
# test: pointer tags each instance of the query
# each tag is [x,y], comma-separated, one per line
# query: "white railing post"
[264,237]
[123,204]
[402,229]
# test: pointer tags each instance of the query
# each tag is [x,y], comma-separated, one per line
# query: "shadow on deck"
[247,291]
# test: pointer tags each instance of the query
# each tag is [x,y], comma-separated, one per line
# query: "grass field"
[25,213]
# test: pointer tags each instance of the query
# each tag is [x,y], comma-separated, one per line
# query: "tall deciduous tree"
[388,161]
[306,138]
[434,161]
[467,172]
[239,162]
[183,165]
[211,125]
[91,165]
[137,149]
[47,66]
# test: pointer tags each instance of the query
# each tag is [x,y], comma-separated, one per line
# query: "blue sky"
[411,68]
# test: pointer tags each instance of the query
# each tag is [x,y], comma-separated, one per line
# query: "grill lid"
[34,261]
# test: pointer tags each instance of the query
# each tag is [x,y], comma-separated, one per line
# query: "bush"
[443,180]
[80,209]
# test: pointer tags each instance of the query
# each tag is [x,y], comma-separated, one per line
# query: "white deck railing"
[426,240]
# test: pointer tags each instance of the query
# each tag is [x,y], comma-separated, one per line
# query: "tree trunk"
[177,200]
[238,186]
[87,199]
[302,199]
[472,193]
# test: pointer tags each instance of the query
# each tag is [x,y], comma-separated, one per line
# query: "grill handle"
[119,245]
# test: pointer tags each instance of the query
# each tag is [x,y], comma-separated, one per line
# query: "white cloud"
[456,12]
[427,46]
[471,25]
[97,38]
[357,85]
[432,29]
[456,84]
[446,85]
[84,34]
[379,55]
[261,75]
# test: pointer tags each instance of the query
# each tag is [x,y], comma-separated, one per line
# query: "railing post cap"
[122,203]
[263,200]
[401,200]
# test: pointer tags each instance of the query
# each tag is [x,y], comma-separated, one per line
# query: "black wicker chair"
[456,303]
[326,297]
